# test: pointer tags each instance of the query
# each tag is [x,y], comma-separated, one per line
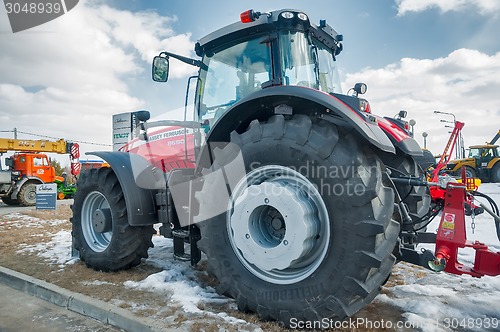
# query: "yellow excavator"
[483,162]
[30,166]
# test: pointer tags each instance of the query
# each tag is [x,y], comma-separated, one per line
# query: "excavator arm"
[495,139]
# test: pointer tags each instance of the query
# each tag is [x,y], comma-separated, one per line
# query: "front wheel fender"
[139,181]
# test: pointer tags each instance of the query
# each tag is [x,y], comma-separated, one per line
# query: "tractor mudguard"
[493,162]
[288,100]
[409,146]
[139,182]
[399,137]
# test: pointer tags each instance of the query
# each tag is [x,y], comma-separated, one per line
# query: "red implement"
[452,236]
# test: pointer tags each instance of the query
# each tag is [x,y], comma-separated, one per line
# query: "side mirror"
[142,115]
[160,69]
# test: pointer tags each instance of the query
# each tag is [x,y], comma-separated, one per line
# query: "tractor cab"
[262,50]
[483,162]
[483,154]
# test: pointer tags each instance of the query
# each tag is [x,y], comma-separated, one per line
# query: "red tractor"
[300,197]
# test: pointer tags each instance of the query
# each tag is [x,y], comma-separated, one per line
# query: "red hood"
[167,148]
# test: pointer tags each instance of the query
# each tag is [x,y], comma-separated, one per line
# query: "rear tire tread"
[378,236]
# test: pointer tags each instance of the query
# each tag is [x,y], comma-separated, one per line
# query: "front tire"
[101,231]
[291,244]
[27,194]
[9,201]
[470,172]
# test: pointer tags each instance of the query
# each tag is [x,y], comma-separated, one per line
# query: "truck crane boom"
[30,166]
[23,145]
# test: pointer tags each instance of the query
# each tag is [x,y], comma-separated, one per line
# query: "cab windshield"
[474,153]
[237,71]
[307,62]
[232,74]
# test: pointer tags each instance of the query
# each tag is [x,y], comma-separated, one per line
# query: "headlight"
[302,16]
[287,15]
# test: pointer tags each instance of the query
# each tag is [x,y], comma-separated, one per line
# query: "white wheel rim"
[97,241]
[278,225]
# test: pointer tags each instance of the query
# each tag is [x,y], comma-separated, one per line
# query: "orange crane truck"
[30,166]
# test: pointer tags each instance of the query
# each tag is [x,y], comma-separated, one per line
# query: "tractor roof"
[265,23]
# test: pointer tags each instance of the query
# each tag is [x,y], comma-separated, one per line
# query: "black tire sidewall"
[344,212]
[9,201]
[471,170]
[133,240]
[495,176]
[23,196]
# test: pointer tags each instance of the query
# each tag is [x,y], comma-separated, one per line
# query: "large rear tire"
[295,243]
[101,231]
[495,173]
[416,198]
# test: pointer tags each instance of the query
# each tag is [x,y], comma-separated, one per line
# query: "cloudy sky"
[67,77]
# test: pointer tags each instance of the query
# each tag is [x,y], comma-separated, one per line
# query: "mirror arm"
[189,61]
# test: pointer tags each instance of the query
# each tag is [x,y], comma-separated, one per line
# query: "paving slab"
[28,301]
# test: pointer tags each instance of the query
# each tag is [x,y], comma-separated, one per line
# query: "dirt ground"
[14,236]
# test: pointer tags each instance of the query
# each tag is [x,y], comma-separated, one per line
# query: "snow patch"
[57,251]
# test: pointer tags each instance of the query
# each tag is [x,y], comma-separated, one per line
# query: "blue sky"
[67,77]
[367,25]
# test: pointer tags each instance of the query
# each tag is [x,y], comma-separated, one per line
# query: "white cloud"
[485,7]
[464,83]
[148,33]
[67,77]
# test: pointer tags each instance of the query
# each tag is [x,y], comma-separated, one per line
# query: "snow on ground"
[177,278]
[57,251]
[435,301]
[19,220]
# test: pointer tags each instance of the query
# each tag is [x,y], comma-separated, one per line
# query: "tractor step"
[190,236]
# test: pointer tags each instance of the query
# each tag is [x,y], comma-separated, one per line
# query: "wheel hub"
[101,220]
[275,226]
[97,221]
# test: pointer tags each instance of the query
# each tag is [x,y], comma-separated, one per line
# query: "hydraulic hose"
[494,212]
